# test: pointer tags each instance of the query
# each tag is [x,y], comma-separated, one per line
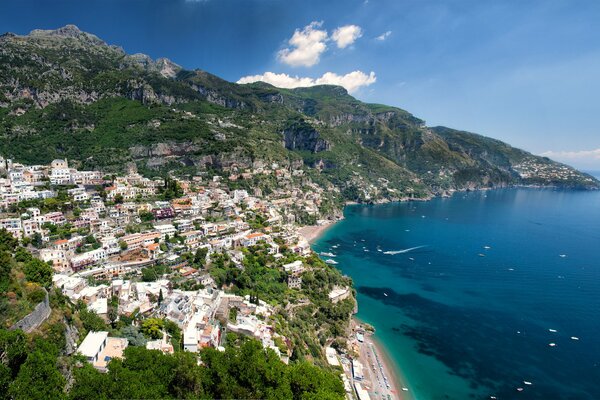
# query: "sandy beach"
[380,368]
[313,232]
[393,371]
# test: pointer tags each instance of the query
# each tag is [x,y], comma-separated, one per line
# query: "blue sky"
[527,72]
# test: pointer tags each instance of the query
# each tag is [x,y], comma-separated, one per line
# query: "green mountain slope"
[66,93]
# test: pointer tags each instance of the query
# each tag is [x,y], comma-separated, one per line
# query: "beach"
[381,369]
[312,232]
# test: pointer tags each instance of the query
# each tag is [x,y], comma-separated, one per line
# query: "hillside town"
[133,247]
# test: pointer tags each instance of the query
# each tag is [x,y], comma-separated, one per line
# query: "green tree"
[38,378]
[91,321]
[38,271]
[152,327]
[160,297]
[22,255]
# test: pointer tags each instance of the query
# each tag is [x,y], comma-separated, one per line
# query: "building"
[92,345]
[338,294]
[99,349]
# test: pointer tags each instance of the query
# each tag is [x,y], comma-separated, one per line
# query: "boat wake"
[394,252]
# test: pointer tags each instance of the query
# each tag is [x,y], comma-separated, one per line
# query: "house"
[59,258]
[92,345]
[253,238]
[165,229]
[99,349]
[338,294]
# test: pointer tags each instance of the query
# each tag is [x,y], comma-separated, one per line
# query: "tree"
[38,378]
[118,199]
[36,240]
[152,327]
[22,255]
[146,216]
[160,297]
[13,350]
[91,321]
[123,245]
[200,256]
[7,241]
[38,271]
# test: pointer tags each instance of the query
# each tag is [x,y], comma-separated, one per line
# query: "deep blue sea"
[489,290]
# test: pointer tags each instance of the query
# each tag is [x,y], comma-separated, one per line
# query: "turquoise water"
[465,321]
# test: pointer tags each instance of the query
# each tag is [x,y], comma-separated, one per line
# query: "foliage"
[91,321]
[247,372]
[38,271]
[152,327]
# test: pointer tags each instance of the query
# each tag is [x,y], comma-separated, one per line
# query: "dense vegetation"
[34,367]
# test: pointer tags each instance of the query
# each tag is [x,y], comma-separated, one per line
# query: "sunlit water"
[473,313]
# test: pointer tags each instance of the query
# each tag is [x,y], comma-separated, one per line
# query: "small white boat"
[330,261]
[385,294]
[527,383]
[411,259]
[562,255]
[552,344]
[487,247]
[552,330]
[574,338]
[327,254]
[519,389]
[405,389]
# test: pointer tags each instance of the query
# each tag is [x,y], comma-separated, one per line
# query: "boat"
[574,338]
[552,344]
[527,383]
[487,247]
[385,294]
[324,253]
[481,255]
[562,255]
[552,330]
[405,389]
[330,261]
[411,259]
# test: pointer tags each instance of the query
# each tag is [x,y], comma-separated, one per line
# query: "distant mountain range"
[67,94]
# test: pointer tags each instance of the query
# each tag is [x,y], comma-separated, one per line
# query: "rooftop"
[92,342]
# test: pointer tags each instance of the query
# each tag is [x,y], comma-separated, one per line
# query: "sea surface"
[482,292]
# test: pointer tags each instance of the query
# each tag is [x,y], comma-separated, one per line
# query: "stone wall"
[35,318]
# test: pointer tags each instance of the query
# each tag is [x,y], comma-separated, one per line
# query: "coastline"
[313,232]
[396,378]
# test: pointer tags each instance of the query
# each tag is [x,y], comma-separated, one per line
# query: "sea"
[488,294]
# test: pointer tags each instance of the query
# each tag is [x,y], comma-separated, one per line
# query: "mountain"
[65,93]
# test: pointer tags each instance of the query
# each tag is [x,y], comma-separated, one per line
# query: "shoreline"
[313,232]
[393,371]
[396,377]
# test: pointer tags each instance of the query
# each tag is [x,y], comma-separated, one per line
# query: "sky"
[525,72]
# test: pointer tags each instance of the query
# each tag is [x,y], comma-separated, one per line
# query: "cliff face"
[71,94]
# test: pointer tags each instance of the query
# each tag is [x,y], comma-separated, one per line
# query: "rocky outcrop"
[302,136]
[215,97]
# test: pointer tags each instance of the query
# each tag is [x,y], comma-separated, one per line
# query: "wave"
[394,252]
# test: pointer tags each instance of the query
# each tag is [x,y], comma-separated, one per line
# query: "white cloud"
[307,46]
[383,36]
[351,81]
[344,36]
[574,155]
